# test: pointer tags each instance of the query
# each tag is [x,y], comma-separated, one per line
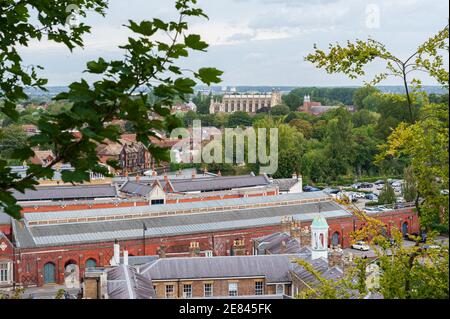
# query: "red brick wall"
[31,261]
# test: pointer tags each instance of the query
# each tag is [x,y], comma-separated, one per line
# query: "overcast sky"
[259,42]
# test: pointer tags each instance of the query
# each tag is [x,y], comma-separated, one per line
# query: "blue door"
[405,228]
[335,239]
[49,273]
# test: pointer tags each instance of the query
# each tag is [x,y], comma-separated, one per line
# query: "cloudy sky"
[259,42]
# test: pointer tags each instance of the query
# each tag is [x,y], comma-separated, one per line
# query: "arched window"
[335,239]
[91,263]
[49,273]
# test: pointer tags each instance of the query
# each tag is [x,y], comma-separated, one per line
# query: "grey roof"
[5,219]
[70,233]
[125,283]
[210,205]
[275,268]
[217,183]
[139,260]
[273,244]
[136,188]
[321,266]
[285,184]
[66,192]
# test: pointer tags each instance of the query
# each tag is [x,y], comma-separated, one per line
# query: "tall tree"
[352,59]
[149,64]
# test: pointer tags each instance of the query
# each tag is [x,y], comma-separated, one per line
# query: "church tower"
[319,237]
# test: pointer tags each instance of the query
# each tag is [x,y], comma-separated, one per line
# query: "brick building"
[42,245]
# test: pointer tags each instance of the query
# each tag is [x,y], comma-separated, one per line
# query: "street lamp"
[144,228]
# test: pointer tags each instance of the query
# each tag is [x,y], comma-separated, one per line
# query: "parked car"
[400,200]
[359,195]
[366,185]
[356,185]
[371,197]
[379,182]
[384,208]
[360,245]
[397,184]
[331,190]
[444,192]
[310,189]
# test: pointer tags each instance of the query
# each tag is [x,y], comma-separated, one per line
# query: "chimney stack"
[194,249]
[305,237]
[286,224]
[116,256]
[162,251]
[336,257]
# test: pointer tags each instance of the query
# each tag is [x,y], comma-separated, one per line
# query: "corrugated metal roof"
[66,192]
[224,204]
[62,234]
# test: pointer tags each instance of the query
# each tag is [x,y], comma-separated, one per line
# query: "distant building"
[249,103]
[315,108]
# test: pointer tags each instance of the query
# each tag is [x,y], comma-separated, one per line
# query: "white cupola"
[319,237]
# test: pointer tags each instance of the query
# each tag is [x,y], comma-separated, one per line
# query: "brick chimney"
[295,229]
[162,251]
[194,249]
[239,247]
[286,224]
[336,257]
[305,237]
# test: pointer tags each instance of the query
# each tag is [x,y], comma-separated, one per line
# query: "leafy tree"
[239,118]
[11,138]
[293,101]
[279,110]
[149,64]
[352,59]
[360,94]
[409,187]
[338,141]
[365,117]
[202,102]
[365,147]
[387,194]
[426,144]
[303,127]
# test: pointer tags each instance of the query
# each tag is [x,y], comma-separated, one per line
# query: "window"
[157,201]
[280,289]
[187,291]
[208,253]
[169,291]
[4,272]
[232,289]
[208,290]
[259,288]
[91,263]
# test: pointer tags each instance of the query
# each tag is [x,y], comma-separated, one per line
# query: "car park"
[360,245]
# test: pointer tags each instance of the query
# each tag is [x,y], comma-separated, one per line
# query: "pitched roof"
[275,268]
[124,282]
[217,183]
[66,192]
[5,219]
[273,244]
[285,184]
[171,225]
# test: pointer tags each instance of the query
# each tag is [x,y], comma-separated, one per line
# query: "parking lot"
[406,243]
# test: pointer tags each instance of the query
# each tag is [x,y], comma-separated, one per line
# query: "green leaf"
[193,41]
[97,67]
[209,75]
